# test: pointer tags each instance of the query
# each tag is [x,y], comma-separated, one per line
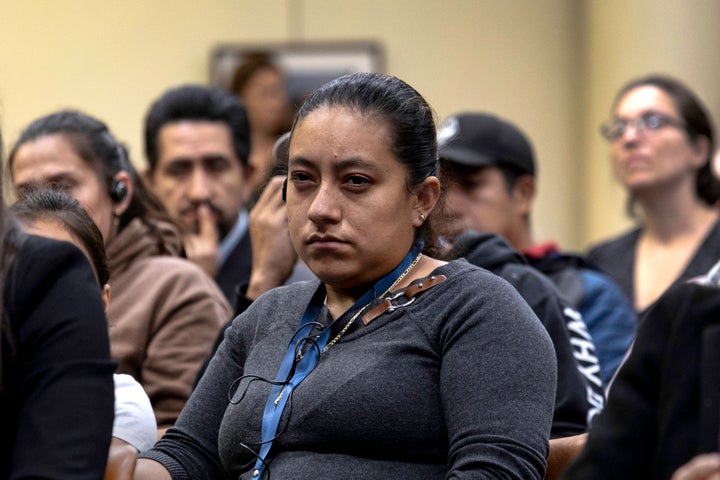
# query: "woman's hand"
[273,256]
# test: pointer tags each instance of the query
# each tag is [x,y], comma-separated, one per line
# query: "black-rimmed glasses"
[648,121]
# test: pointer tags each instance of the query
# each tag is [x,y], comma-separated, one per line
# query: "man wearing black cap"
[489,169]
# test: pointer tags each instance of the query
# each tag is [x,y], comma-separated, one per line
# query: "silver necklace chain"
[360,312]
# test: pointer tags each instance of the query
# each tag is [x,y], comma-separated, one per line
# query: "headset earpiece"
[284,190]
[118,190]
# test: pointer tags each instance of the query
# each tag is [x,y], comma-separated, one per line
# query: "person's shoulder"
[694,290]
[169,268]
[41,259]
[277,306]
[684,298]
[130,393]
[483,298]
[166,273]
[684,309]
[50,274]
[618,244]
[528,280]
[462,267]
[36,247]
[462,277]
[134,417]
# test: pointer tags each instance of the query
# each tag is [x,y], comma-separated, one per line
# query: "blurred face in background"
[266,101]
[645,158]
[197,165]
[52,161]
[268,110]
[479,199]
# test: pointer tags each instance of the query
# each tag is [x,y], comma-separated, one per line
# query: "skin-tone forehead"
[645,97]
[55,153]
[344,117]
[195,131]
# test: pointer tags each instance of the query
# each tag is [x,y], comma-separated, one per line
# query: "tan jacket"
[164,316]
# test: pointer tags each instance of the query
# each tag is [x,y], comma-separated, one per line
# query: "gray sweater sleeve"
[498,381]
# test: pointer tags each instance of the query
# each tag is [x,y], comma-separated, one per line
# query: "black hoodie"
[579,395]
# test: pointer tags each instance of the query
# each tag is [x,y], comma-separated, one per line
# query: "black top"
[616,257]
[663,406]
[57,401]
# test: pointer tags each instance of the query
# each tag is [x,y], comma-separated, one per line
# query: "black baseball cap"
[482,139]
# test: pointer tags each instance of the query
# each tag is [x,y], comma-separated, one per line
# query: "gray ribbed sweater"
[459,384]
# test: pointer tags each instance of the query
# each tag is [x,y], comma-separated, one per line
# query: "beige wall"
[549,65]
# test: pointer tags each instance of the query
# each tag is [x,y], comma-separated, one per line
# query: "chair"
[121,460]
[563,451]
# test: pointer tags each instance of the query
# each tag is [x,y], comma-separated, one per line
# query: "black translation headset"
[284,190]
[118,188]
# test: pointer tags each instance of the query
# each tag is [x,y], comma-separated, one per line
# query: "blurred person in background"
[661,140]
[260,85]
[56,376]
[55,214]
[197,142]
[490,174]
[165,312]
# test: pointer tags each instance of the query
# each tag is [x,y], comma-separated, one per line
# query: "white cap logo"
[448,130]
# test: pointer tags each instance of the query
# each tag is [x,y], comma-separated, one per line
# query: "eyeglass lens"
[647,121]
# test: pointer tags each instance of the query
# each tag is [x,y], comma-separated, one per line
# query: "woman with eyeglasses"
[392,363]
[661,142]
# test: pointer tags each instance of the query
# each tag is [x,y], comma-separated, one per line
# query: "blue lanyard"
[282,388]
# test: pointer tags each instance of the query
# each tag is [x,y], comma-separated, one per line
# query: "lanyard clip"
[391,303]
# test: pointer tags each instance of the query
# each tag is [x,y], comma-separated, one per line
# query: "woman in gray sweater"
[393,364]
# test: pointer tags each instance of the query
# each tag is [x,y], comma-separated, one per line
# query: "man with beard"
[197,142]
